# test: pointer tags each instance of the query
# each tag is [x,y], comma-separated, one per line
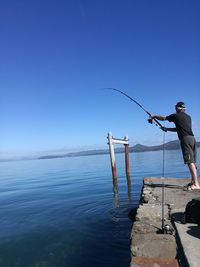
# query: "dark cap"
[180,105]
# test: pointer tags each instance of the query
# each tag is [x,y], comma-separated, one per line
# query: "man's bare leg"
[194,178]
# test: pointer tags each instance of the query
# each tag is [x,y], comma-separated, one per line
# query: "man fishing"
[185,134]
[183,128]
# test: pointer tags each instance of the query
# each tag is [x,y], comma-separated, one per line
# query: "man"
[183,128]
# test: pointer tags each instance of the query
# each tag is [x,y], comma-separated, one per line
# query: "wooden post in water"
[127,157]
[128,176]
[111,142]
[113,162]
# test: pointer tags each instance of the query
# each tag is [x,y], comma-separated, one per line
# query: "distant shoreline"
[172,145]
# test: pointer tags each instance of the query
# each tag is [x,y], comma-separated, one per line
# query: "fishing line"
[163,164]
[163,186]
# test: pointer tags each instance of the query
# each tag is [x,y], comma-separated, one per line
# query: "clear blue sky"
[56,55]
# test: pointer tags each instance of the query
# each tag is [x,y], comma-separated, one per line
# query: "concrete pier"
[180,244]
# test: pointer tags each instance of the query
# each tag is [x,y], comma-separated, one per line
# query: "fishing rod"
[150,120]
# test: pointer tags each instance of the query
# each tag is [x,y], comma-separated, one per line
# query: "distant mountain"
[172,145]
[78,154]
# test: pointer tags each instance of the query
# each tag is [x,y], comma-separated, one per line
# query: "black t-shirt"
[183,123]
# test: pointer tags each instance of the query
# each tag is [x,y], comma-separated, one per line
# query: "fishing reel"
[150,120]
[168,229]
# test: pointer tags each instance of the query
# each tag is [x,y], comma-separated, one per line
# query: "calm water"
[62,212]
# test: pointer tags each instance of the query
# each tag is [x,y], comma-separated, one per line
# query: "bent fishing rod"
[150,120]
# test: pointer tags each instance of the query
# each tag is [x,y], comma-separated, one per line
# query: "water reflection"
[116,193]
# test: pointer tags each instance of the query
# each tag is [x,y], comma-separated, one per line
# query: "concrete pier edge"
[179,246]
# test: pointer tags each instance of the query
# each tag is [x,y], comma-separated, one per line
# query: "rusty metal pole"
[127,157]
[113,162]
[128,176]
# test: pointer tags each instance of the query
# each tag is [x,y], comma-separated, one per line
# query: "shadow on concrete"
[178,217]
[194,230]
[167,185]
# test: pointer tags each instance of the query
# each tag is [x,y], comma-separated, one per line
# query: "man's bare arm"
[158,117]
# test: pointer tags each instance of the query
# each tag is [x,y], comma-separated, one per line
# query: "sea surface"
[63,212]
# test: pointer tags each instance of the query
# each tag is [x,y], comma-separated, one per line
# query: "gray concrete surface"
[147,243]
[189,235]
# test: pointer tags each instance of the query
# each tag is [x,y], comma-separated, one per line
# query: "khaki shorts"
[189,150]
